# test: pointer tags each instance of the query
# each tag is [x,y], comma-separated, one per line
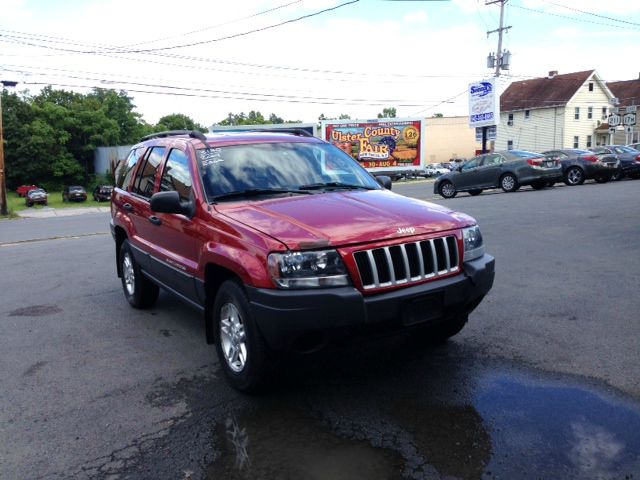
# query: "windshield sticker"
[211,156]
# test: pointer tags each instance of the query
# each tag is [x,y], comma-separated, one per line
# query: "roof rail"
[301,132]
[171,133]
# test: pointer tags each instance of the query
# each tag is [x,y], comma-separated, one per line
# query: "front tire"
[242,351]
[574,176]
[139,291]
[509,183]
[447,190]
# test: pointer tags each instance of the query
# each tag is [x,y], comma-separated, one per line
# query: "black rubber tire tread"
[475,193]
[145,292]
[602,178]
[254,375]
[539,185]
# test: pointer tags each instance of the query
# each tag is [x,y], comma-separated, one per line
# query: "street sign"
[614,120]
[629,119]
[631,109]
[628,129]
[617,110]
[491,133]
[484,103]
[612,129]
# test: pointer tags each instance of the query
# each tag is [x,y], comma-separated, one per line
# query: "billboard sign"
[484,104]
[386,143]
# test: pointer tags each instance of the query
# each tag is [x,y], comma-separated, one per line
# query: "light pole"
[3,183]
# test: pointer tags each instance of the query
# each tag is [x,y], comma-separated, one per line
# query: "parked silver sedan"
[507,169]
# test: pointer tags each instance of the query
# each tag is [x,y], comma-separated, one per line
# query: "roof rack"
[301,132]
[171,133]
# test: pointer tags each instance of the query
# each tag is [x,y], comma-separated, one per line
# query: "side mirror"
[169,202]
[384,181]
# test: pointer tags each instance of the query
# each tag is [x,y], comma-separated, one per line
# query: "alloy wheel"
[233,337]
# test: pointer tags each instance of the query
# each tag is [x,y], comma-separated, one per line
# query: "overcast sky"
[356,59]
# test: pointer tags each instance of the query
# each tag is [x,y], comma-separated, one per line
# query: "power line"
[356,101]
[20,39]
[573,18]
[591,13]
[263,12]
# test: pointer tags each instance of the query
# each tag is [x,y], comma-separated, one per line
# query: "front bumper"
[285,316]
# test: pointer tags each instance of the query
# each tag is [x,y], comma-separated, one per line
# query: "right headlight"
[473,245]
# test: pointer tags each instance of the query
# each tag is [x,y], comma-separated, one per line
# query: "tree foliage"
[388,113]
[51,138]
[252,118]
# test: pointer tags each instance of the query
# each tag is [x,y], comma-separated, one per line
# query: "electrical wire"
[573,18]
[263,12]
[591,13]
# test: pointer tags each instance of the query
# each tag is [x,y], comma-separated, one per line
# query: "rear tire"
[139,291]
[617,176]
[447,190]
[242,351]
[509,183]
[602,178]
[475,193]
[539,185]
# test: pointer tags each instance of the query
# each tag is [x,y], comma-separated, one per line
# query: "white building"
[557,111]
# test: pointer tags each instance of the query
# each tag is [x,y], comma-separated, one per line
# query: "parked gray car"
[628,159]
[507,169]
[580,165]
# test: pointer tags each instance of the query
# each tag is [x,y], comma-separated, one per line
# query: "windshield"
[279,168]
[522,154]
[37,191]
[624,150]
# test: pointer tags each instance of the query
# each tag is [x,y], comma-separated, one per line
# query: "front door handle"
[128,207]
[155,220]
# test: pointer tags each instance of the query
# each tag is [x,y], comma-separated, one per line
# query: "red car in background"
[22,190]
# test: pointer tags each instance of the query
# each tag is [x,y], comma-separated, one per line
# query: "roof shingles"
[542,92]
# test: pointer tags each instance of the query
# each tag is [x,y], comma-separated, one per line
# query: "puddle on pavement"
[506,425]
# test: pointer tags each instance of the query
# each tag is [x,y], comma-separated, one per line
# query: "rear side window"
[176,175]
[124,171]
[147,173]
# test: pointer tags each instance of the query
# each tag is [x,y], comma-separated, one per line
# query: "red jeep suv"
[283,241]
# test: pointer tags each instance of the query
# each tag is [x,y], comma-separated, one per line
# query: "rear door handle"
[155,220]
[128,207]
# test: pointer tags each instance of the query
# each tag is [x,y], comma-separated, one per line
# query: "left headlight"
[314,269]
[473,244]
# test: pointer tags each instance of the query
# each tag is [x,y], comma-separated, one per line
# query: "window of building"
[604,113]
[588,141]
[527,114]
[591,86]
[509,144]
[176,175]
[147,173]
[576,113]
[510,119]
[590,112]
[576,142]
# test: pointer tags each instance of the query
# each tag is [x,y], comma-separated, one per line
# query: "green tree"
[388,113]
[178,121]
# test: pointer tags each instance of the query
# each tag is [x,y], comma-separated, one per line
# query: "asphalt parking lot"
[544,382]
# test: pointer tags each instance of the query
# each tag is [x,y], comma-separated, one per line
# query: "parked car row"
[511,169]
[74,193]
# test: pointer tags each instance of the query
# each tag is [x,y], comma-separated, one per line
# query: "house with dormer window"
[627,93]
[556,111]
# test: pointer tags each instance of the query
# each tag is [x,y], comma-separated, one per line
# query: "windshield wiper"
[329,185]
[254,192]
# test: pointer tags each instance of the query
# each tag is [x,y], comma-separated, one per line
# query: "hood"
[343,218]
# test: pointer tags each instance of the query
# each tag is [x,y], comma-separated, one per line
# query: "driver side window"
[493,159]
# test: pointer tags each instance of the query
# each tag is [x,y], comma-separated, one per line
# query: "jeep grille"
[407,262]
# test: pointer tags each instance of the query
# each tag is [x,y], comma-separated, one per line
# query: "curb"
[61,212]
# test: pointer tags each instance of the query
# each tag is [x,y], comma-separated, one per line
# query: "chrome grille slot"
[407,262]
